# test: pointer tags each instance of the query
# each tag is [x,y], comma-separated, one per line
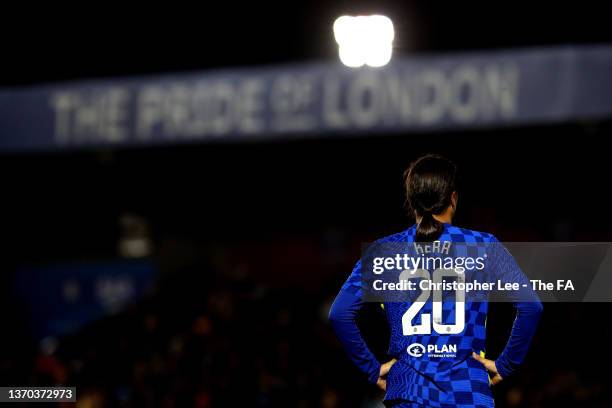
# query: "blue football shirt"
[433,343]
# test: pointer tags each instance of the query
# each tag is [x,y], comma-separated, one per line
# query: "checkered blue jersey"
[439,378]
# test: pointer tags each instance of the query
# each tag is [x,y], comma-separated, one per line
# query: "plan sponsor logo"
[418,350]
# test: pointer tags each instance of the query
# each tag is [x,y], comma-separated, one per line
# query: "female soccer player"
[438,360]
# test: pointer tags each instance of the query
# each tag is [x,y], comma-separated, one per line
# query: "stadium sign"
[413,94]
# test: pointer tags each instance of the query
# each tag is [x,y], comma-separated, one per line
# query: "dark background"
[253,240]
[59,41]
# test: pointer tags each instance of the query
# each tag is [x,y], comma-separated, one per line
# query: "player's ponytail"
[430,183]
[428,229]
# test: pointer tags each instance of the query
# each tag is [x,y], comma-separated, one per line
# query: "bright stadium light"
[364,40]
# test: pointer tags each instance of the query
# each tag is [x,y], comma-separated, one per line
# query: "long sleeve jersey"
[435,367]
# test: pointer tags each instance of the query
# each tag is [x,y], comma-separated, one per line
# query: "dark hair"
[430,182]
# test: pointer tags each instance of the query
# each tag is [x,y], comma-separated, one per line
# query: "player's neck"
[446,217]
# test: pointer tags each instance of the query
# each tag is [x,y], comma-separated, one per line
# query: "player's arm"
[342,316]
[528,310]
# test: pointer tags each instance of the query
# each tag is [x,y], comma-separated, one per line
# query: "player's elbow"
[343,310]
[537,308]
[340,313]
[336,314]
[533,309]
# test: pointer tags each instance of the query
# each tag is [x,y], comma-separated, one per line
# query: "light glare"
[364,40]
